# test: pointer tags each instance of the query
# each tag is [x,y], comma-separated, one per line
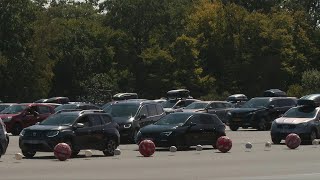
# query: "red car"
[19,116]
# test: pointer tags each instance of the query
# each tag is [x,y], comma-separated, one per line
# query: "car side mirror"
[79,125]
[143,116]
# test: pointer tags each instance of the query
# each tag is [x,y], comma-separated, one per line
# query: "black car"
[131,115]
[219,108]
[183,129]
[259,112]
[237,99]
[80,106]
[4,138]
[85,129]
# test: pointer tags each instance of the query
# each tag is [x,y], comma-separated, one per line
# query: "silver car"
[302,120]
[4,138]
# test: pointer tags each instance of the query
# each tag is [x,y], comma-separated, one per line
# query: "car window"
[144,111]
[85,121]
[106,119]
[206,119]
[220,106]
[44,110]
[227,105]
[95,120]
[152,109]
[159,109]
[188,102]
[195,119]
[181,104]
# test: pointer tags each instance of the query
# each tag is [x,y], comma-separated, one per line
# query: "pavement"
[277,163]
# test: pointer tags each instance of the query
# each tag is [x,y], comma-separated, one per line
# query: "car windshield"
[66,106]
[122,110]
[301,112]
[14,109]
[173,119]
[60,119]
[197,105]
[169,103]
[3,106]
[256,103]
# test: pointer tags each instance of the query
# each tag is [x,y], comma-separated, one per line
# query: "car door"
[194,131]
[32,116]
[155,113]
[143,116]
[44,112]
[208,133]
[83,134]
[96,137]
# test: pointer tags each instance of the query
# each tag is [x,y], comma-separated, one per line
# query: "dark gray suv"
[259,112]
[132,115]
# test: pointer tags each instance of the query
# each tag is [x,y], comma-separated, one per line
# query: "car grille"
[286,126]
[34,134]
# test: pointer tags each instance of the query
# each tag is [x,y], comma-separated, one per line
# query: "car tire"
[276,140]
[110,147]
[234,127]
[262,125]
[28,154]
[312,136]
[74,152]
[133,136]
[16,129]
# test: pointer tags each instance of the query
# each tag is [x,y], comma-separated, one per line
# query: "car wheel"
[312,136]
[16,129]
[276,140]
[74,152]
[234,127]
[133,136]
[28,153]
[262,125]
[110,147]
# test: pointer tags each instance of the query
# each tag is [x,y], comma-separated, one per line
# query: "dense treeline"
[84,50]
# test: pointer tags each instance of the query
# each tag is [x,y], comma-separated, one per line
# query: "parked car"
[80,106]
[18,116]
[4,139]
[176,105]
[313,97]
[219,108]
[5,105]
[183,129]
[237,99]
[160,100]
[87,129]
[132,115]
[54,105]
[259,112]
[303,120]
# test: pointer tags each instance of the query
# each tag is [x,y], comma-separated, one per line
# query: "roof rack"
[81,111]
[67,110]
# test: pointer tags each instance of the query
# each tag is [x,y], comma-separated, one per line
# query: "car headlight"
[127,125]
[7,119]
[166,133]
[22,132]
[229,113]
[52,133]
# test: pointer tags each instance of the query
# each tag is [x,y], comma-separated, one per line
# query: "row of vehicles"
[200,122]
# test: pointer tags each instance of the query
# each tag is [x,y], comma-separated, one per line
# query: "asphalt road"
[279,163]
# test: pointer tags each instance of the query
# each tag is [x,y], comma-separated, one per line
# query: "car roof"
[137,102]
[190,113]
[273,98]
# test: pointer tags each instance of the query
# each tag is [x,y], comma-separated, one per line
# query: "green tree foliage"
[88,49]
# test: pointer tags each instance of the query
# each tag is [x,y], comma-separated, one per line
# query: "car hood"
[4,116]
[153,128]
[122,120]
[43,127]
[244,110]
[285,120]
